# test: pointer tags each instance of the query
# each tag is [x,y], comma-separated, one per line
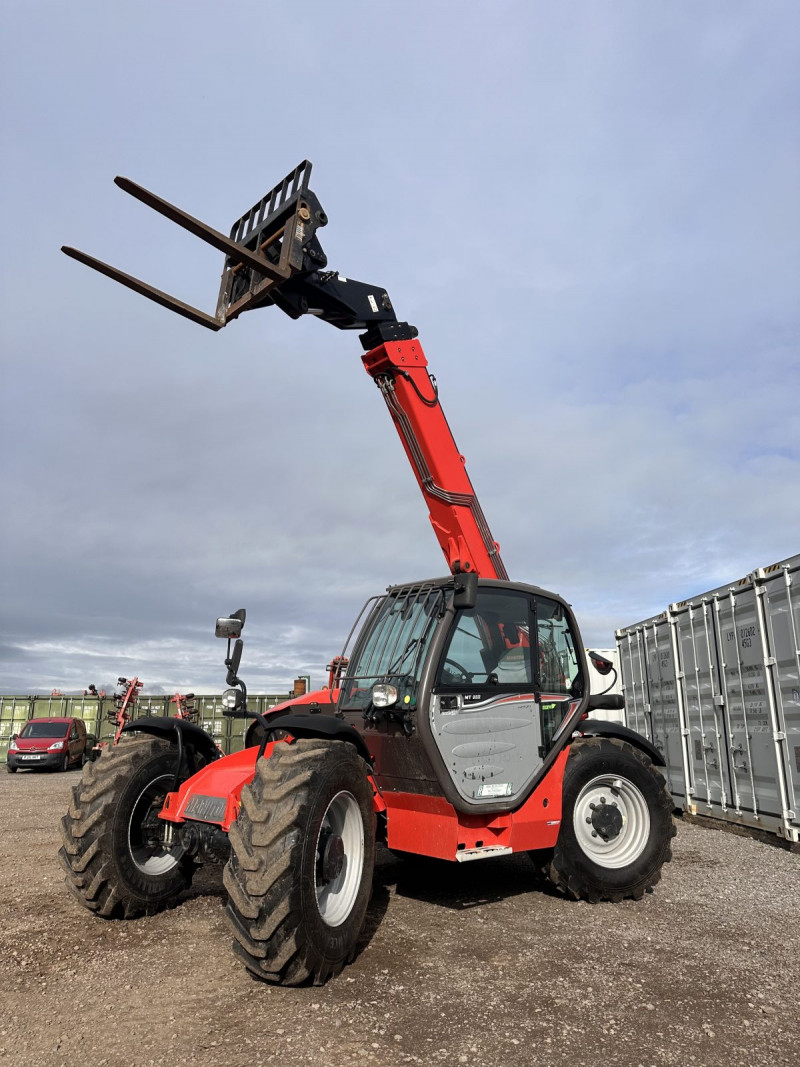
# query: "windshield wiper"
[398,663]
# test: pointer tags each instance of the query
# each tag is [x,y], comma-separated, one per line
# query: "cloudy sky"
[590,212]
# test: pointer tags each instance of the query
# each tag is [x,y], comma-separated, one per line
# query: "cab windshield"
[392,646]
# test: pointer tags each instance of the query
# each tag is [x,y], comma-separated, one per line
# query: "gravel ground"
[475,964]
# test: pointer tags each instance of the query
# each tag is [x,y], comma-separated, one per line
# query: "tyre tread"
[263,906]
[85,830]
[561,870]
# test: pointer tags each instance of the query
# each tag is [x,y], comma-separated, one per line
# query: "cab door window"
[490,644]
[559,666]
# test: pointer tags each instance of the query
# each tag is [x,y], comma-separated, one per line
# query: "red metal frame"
[429,826]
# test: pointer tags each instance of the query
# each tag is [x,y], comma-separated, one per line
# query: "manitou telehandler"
[455,725]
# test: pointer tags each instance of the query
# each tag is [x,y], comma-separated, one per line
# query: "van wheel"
[116,863]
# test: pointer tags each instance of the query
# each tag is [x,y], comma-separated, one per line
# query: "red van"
[57,744]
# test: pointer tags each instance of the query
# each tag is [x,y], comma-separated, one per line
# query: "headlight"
[13,747]
[383,696]
[56,745]
[231,698]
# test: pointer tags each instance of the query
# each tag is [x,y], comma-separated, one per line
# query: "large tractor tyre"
[116,865]
[616,823]
[299,877]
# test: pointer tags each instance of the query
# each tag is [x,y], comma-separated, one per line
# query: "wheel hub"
[331,860]
[611,821]
[340,859]
[606,819]
[145,842]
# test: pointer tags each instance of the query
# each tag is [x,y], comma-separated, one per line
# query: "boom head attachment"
[268,246]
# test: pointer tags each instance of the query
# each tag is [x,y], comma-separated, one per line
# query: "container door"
[106,725]
[87,709]
[632,660]
[781,606]
[214,722]
[664,709]
[14,713]
[52,707]
[699,674]
[751,746]
[151,705]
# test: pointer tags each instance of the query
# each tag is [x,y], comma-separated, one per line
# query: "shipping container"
[52,707]
[14,713]
[88,709]
[98,714]
[714,682]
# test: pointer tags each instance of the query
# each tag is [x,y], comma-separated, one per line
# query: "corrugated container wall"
[714,682]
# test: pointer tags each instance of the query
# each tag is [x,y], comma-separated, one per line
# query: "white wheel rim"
[612,791]
[147,861]
[337,895]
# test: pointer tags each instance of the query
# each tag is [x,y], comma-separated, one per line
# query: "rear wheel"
[112,851]
[616,823]
[302,857]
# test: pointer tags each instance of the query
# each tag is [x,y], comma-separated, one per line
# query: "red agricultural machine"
[185,707]
[455,725]
[125,700]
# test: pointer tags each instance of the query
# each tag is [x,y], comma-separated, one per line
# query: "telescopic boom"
[273,257]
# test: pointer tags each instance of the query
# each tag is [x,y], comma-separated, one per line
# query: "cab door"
[506,680]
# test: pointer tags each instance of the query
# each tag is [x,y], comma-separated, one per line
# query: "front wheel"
[616,824]
[116,862]
[302,855]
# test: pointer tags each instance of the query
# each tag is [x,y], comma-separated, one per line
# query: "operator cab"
[486,683]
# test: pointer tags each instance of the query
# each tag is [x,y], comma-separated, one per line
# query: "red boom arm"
[399,369]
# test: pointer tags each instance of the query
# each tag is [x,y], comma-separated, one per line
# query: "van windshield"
[45,729]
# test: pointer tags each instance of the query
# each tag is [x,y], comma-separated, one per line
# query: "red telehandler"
[455,725]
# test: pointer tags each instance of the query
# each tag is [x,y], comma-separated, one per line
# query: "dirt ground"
[475,964]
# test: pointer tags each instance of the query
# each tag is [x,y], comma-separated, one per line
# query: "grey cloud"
[589,214]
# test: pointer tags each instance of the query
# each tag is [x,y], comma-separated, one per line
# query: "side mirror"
[601,664]
[14,737]
[231,626]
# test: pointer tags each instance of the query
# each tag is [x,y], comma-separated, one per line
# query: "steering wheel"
[466,676]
